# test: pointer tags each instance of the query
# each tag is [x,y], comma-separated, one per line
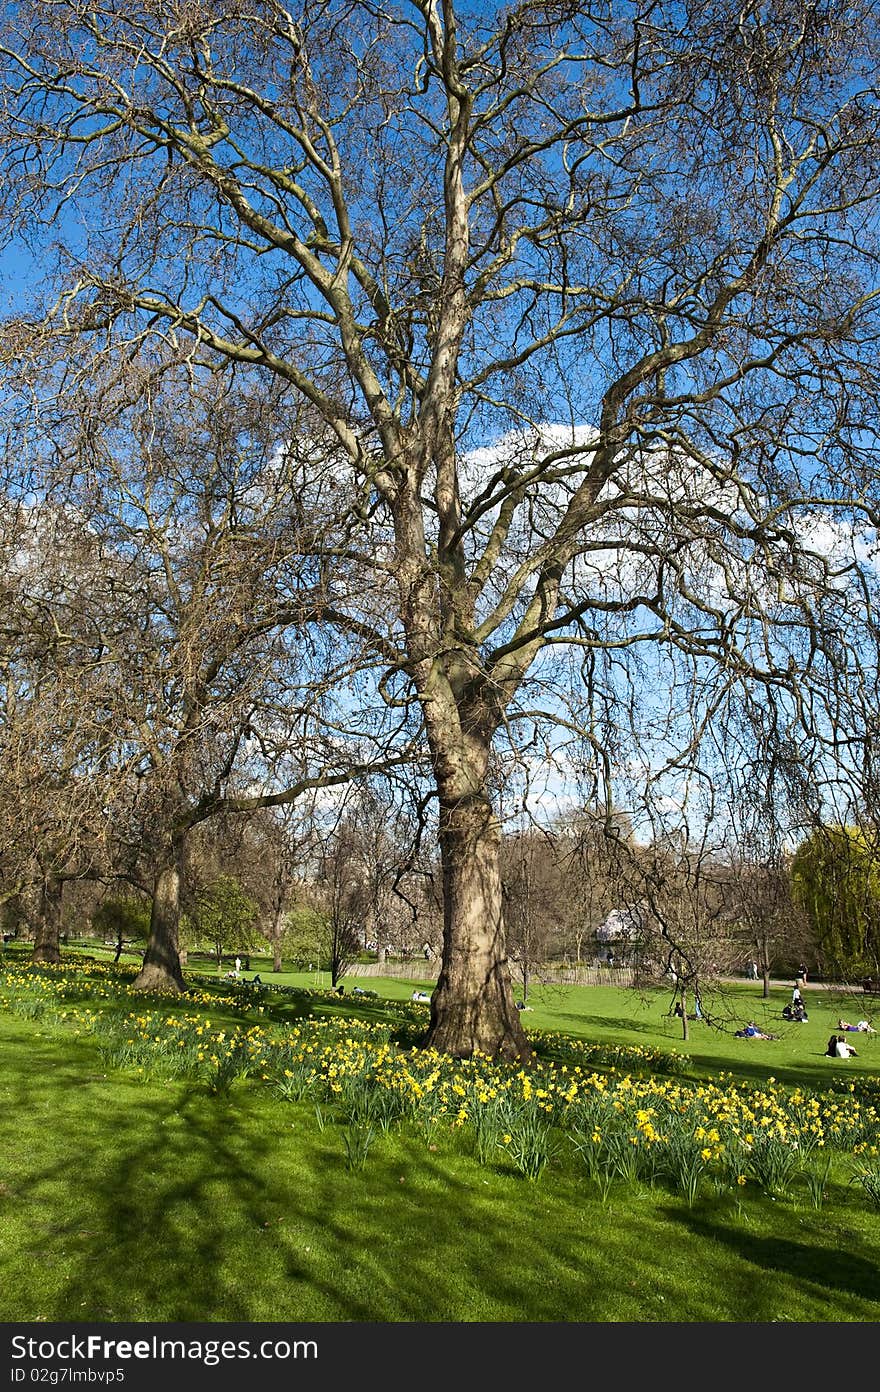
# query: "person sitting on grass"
[796,1012]
[844,1050]
[678,1012]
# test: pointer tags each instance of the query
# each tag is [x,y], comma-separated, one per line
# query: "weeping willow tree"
[836,879]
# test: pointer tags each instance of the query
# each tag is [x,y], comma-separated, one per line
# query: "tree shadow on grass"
[144,1205]
[813,1073]
[620,1025]
[832,1268]
[158,1201]
[143,1233]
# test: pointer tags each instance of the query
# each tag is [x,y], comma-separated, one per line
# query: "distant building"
[620,936]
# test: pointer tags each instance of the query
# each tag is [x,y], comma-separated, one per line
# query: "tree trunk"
[472,1007]
[47,942]
[160,970]
[276,934]
[371,926]
[685,1033]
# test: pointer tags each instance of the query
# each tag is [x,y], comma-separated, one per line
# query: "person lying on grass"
[751,1031]
[863,1027]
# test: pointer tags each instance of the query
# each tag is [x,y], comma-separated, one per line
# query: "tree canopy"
[836,878]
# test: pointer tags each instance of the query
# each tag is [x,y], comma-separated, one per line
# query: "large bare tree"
[584,296]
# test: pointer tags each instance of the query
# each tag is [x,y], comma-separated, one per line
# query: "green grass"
[124,1199]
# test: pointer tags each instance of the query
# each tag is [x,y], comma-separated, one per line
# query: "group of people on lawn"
[838,1047]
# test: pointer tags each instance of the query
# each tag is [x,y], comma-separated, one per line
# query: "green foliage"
[364,1101]
[634,1058]
[489,1118]
[305,936]
[221,1070]
[122,918]
[836,880]
[224,915]
[868,1176]
[817,1180]
[295,1083]
[684,1162]
[29,1007]
[530,1143]
[773,1163]
[357,1138]
[426,1116]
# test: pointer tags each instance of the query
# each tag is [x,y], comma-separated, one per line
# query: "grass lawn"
[128,1196]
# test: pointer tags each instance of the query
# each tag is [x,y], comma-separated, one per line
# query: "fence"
[405,971]
[560,976]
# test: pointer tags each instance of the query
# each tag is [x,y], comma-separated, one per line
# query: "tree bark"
[47,942]
[277,933]
[160,970]
[472,1007]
